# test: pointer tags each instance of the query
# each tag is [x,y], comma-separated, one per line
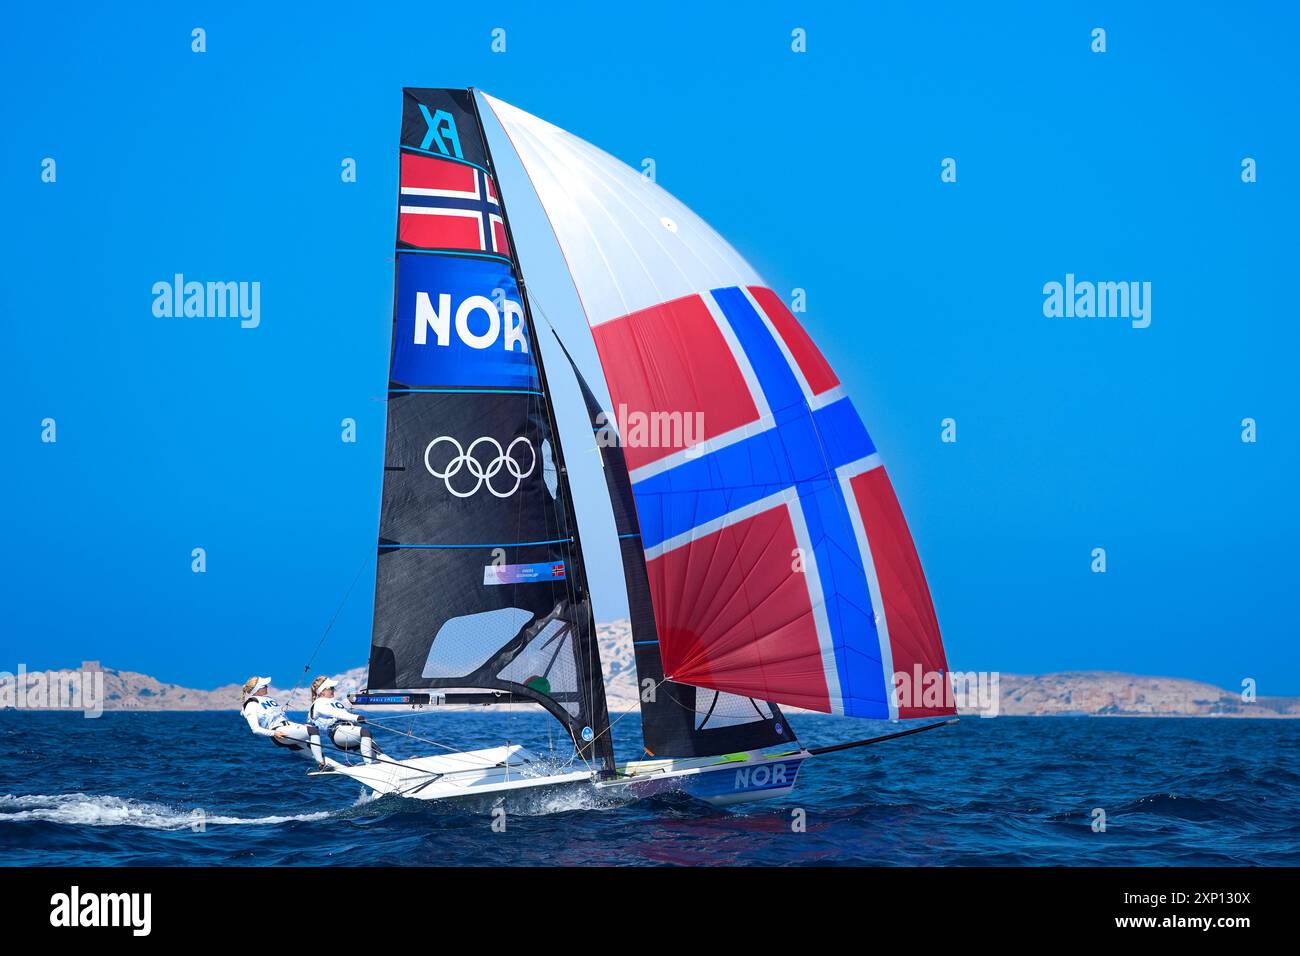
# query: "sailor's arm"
[250,715]
[339,711]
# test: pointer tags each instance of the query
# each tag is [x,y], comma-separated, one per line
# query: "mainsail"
[480,583]
[777,559]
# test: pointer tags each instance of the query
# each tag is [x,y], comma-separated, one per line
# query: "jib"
[508,319]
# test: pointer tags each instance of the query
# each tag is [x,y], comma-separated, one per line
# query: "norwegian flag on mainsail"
[449,204]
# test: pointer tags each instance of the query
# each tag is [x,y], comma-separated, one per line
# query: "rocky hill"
[1095,693]
[1105,693]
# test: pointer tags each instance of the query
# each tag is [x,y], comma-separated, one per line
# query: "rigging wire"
[455,754]
[329,627]
[376,722]
[612,723]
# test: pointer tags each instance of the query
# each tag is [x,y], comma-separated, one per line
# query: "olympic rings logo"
[483,472]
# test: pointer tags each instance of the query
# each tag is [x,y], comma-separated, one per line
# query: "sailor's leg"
[342,736]
[313,741]
[368,748]
[299,738]
[345,736]
[352,737]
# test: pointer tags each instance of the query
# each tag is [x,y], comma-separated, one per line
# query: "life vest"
[269,714]
[326,713]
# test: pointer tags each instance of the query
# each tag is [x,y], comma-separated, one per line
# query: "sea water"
[198,789]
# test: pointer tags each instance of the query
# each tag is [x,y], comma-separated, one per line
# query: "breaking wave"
[103,810]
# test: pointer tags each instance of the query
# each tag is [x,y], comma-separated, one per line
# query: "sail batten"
[777,559]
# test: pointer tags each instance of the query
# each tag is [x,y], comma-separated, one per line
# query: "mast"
[602,738]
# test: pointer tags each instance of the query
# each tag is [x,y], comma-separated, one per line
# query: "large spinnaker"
[779,563]
[480,582]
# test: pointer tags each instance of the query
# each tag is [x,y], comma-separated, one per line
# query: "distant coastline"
[1073,693]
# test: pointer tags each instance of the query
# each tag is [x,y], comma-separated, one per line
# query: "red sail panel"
[816,370]
[913,627]
[670,359]
[710,633]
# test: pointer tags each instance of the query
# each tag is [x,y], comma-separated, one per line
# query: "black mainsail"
[480,586]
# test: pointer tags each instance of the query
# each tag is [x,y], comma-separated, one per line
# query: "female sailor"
[266,718]
[333,719]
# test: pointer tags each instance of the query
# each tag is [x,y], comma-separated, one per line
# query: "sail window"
[464,644]
[549,473]
[720,709]
[546,665]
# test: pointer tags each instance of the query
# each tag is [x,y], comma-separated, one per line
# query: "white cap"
[261,682]
[326,684]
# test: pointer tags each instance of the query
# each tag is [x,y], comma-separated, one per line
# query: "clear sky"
[822,168]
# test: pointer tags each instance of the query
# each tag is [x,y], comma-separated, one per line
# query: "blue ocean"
[197,789]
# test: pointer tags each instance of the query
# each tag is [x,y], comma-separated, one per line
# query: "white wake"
[101,810]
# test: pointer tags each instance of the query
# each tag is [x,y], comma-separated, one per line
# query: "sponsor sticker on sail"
[523,573]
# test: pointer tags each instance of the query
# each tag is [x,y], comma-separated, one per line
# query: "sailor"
[332,718]
[266,718]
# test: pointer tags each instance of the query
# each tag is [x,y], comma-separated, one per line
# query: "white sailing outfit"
[265,716]
[331,717]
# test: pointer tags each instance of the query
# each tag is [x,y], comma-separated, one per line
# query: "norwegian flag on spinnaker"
[449,204]
[780,565]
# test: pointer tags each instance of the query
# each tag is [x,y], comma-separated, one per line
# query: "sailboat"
[766,563]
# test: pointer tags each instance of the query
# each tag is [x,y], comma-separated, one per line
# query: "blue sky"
[822,168]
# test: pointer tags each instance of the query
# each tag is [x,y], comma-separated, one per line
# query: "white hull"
[729,779]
